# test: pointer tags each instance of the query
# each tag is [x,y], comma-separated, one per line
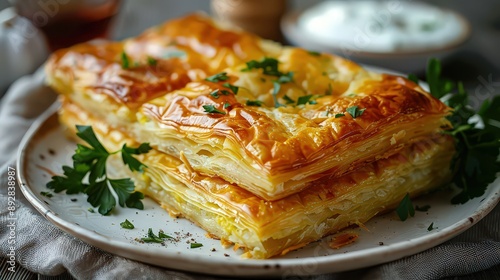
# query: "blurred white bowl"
[397,45]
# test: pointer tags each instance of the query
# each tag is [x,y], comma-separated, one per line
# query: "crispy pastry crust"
[264,228]
[271,152]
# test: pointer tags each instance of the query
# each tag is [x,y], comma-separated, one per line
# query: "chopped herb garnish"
[276,90]
[339,115]
[256,103]
[196,245]
[329,90]
[152,238]
[288,100]
[46,194]
[405,208]
[233,88]
[314,53]
[215,93]
[268,65]
[127,224]
[91,210]
[161,234]
[218,77]
[355,112]
[125,60]
[306,99]
[225,92]
[212,110]
[431,227]
[91,161]
[422,208]
[226,105]
[152,61]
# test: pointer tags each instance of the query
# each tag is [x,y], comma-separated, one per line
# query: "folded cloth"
[42,248]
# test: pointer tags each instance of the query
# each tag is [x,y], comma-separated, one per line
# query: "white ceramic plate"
[45,149]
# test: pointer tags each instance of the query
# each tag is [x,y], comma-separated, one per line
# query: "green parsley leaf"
[225,92]
[125,60]
[47,194]
[267,64]
[413,78]
[215,93]
[127,224]
[431,227]
[269,67]
[339,115]
[152,238]
[306,99]
[99,195]
[91,161]
[86,133]
[212,110]
[285,78]
[132,162]
[476,161]
[355,112]
[196,245]
[422,208]
[124,189]
[288,100]
[405,208]
[152,61]
[226,105]
[276,89]
[314,53]
[256,103]
[161,234]
[91,210]
[218,77]
[439,87]
[71,182]
[233,88]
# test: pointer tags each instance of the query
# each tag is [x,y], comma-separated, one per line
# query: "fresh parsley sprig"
[88,174]
[477,135]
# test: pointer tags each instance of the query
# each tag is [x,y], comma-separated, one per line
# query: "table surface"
[477,63]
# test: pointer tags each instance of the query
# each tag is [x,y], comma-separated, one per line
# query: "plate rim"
[242,267]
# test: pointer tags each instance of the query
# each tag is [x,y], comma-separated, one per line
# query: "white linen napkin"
[42,248]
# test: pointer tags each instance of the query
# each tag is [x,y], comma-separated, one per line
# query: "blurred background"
[476,62]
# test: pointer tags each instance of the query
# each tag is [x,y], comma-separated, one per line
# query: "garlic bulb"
[22,47]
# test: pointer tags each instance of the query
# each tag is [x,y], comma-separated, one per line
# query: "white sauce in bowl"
[385,26]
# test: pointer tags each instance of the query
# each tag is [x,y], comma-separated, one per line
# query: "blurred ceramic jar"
[261,17]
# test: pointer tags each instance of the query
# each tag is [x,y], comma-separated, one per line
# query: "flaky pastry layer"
[269,228]
[272,151]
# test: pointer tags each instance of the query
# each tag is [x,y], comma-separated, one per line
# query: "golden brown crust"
[179,56]
[288,146]
[269,228]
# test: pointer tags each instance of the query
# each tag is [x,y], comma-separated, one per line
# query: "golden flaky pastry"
[268,228]
[265,146]
[152,88]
